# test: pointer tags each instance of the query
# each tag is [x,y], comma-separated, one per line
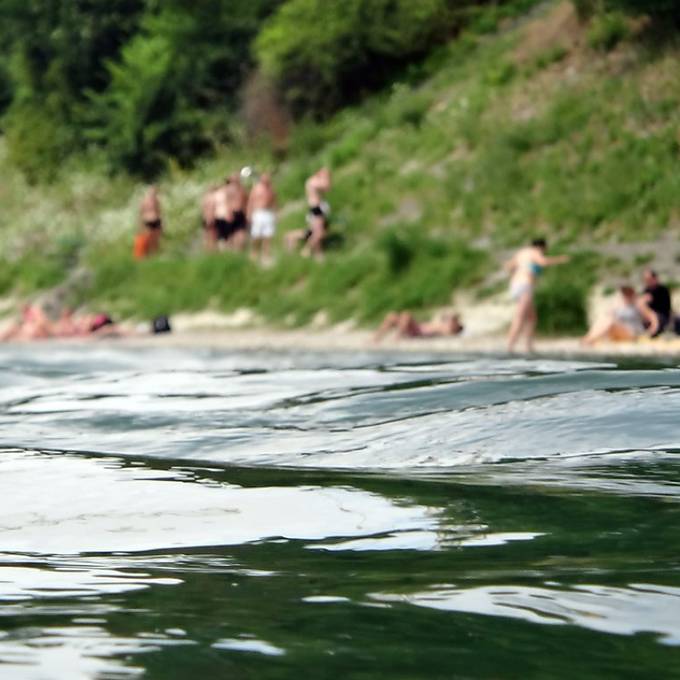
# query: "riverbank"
[344,340]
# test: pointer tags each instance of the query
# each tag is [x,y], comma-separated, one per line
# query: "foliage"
[661,10]
[433,179]
[562,297]
[321,63]
[607,30]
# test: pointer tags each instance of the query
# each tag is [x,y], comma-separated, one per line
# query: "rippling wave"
[173,512]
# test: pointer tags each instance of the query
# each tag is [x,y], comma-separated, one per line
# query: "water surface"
[169,513]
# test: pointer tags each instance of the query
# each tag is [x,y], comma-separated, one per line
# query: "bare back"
[208,206]
[316,187]
[150,208]
[236,197]
[221,208]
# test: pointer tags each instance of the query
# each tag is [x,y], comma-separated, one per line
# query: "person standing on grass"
[525,267]
[262,218]
[316,188]
[147,241]
[208,218]
[237,202]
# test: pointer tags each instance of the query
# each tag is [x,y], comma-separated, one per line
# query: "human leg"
[390,321]
[530,325]
[519,319]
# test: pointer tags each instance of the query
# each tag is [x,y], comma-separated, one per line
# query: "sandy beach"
[362,341]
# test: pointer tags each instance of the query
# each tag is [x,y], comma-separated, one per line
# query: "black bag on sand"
[161,324]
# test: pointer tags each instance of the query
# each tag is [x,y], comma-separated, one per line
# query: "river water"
[197,514]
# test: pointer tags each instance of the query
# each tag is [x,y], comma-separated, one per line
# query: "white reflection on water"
[245,644]
[638,608]
[74,653]
[24,583]
[100,505]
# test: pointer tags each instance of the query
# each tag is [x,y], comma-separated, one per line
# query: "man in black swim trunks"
[658,299]
[313,237]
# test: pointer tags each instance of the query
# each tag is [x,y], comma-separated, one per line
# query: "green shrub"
[562,296]
[38,140]
[607,31]
[325,52]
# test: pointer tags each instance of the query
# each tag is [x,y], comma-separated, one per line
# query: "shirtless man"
[208,218]
[237,201]
[230,201]
[316,187]
[222,216]
[262,218]
[150,224]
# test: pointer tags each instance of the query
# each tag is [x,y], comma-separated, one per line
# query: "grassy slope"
[498,137]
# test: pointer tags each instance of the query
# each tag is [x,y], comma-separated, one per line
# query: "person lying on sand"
[406,326]
[34,324]
[628,321]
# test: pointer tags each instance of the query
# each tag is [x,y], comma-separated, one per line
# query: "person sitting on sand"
[316,188]
[147,241]
[406,326]
[525,267]
[658,299]
[626,322]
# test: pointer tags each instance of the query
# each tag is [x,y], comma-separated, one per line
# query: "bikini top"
[535,268]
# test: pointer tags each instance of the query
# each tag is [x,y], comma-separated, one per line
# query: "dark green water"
[194,514]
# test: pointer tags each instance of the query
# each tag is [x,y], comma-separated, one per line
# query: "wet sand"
[359,340]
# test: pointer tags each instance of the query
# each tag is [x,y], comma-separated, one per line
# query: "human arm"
[546,261]
[650,316]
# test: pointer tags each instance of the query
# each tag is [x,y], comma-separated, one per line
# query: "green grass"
[466,147]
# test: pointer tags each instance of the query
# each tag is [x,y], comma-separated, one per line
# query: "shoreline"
[329,340]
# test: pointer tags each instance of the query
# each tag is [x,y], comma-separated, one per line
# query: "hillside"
[534,125]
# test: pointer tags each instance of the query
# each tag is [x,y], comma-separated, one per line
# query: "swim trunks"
[263,224]
[238,221]
[99,321]
[153,224]
[222,229]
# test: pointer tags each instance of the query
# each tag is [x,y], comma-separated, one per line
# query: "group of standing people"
[234,218]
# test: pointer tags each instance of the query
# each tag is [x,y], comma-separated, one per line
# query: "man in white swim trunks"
[262,217]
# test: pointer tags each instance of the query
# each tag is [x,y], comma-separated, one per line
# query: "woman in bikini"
[525,267]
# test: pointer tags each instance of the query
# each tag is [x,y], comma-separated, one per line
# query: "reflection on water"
[228,515]
[624,611]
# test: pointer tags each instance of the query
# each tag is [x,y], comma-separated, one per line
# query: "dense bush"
[186,62]
[324,52]
[663,10]
[155,72]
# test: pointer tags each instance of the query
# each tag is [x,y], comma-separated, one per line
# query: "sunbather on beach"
[406,326]
[629,320]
